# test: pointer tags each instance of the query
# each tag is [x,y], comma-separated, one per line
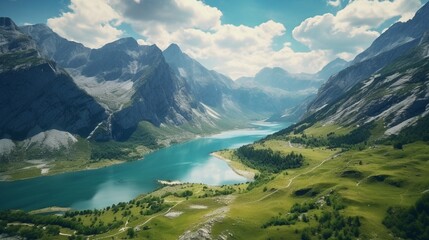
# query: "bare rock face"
[133,82]
[36,95]
[397,95]
[387,48]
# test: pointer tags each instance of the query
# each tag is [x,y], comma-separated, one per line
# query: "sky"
[234,37]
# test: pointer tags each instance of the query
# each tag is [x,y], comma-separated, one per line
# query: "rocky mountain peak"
[268,73]
[175,56]
[123,43]
[173,49]
[7,24]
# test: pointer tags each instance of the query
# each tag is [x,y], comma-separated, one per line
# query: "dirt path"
[157,215]
[293,178]
[203,230]
[140,225]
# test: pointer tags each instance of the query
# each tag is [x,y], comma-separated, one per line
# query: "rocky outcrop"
[397,96]
[36,95]
[387,48]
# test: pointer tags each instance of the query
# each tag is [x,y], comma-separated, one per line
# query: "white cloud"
[242,50]
[233,50]
[334,3]
[156,20]
[353,28]
[93,23]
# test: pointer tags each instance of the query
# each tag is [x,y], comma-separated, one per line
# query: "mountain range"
[110,93]
[385,88]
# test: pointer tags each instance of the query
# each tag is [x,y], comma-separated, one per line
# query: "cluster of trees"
[108,151]
[151,205]
[72,219]
[333,225]
[303,208]
[23,217]
[282,220]
[411,223]
[184,194]
[359,135]
[260,179]
[268,160]
[27,232]
[329,224]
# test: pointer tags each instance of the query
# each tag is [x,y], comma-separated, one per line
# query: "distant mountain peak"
[173,48]
[7,24]
[127,42]
[272,70]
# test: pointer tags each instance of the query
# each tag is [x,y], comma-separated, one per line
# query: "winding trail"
[292,179]
[140,225]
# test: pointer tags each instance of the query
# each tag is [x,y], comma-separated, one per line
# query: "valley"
[174,124]
[353,180]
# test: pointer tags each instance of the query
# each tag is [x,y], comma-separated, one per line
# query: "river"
[185,162]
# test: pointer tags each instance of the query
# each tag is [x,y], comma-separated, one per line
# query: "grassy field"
[364,183]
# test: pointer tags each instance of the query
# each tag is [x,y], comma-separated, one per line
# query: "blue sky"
[234,37]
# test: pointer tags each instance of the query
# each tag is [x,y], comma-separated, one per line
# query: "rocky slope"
[133,82]
[391,45]
[220,93]
[397,95]
[36,94]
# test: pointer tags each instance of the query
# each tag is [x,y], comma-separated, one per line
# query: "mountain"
[138,83]
[36,95]
[398,34]
[279,78]
[388,47]
[332,68]
[396,97]
[207,86]
[298,90]
[67,54]
[220,93]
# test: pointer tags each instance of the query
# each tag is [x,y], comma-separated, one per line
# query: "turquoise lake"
[185,162]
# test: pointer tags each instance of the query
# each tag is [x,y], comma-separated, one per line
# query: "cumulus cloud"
[230,49]
[353,28]
[334,3]
[93,23]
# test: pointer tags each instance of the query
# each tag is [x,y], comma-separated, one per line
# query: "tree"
[398,146]
[53,230]
[131,233]
[305,235]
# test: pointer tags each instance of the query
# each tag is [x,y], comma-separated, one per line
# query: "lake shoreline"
[240,171]
[7,176]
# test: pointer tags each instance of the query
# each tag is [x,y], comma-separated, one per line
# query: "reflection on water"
[213,172]
[240,133]
[108,193]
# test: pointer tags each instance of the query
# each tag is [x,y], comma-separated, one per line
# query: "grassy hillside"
[334,195]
